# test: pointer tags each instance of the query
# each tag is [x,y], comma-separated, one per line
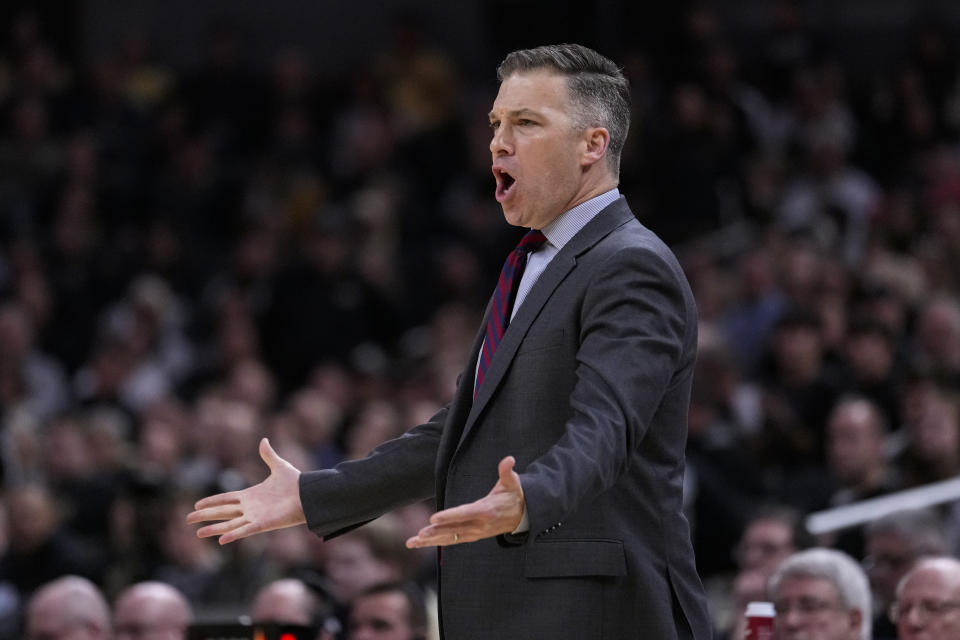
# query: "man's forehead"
[531,89]
[931,578]
[807,584]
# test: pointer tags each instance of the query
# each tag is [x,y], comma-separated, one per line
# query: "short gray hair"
[838,569]
[598,89]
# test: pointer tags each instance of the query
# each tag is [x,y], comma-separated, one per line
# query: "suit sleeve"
[398,472]
[638,323]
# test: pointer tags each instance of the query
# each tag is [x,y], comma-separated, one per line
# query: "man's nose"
[793,619]
[500,143]
[915,618]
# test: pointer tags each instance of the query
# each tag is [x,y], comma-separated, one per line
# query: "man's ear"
[596,141]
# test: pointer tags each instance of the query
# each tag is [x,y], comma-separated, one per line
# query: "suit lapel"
[613,216]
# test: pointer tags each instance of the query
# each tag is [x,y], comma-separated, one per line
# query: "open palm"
[271,504]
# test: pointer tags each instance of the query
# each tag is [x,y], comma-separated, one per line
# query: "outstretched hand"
[272,504]
[500,511]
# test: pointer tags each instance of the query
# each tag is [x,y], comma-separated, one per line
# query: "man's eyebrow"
[515,113]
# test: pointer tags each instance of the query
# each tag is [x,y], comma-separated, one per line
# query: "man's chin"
[512,216]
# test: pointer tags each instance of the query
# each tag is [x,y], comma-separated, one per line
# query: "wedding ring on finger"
[456,538]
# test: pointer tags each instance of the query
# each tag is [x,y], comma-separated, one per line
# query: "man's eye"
[525,123]
[495,124]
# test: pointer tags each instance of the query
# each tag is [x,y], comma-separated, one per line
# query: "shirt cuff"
[524,525]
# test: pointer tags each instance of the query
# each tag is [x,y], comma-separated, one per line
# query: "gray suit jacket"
[588,390]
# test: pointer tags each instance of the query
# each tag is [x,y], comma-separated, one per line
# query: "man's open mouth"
[504,183]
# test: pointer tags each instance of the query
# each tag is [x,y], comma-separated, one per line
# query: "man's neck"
[591,190]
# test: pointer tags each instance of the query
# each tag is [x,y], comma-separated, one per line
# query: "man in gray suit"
[582,400]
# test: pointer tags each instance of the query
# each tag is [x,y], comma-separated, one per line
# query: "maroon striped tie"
[503,299]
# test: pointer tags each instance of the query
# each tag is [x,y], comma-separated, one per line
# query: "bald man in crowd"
[151,609]
[928,601]
[286,601]
[68,607]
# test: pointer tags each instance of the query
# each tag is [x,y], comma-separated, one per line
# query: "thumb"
[268,455]
[505,470]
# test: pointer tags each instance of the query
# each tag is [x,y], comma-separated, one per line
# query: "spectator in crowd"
[857,451]
[249,380]
[287,601]
[893,544]
[68,607]
[318,420]
[869,357]
[40,548]
[376,423]
[695,158]
[751,319]
[821,593]
[366,556]
[151,610]
[721,486]
[389,611]
[226,428]
[290,601]
[938,337]
[76,476]
[931,427]
[830,198]
[151,318]
[772,534]
[799,391]
[161,442]
[928,601]
[214,583]
[857,460]
[45,391]
[297,555]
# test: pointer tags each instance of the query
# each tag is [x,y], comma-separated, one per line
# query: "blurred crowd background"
[197,255]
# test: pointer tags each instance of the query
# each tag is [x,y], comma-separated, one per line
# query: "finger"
[225,512]
[418,542]
[505,470]
[438,537]
[215,501]
[220,528]
[434,533]
[243,531]
[463,514]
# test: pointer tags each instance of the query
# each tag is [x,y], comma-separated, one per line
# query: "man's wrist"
[524,525]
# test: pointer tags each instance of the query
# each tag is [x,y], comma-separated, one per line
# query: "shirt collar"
[568,224]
